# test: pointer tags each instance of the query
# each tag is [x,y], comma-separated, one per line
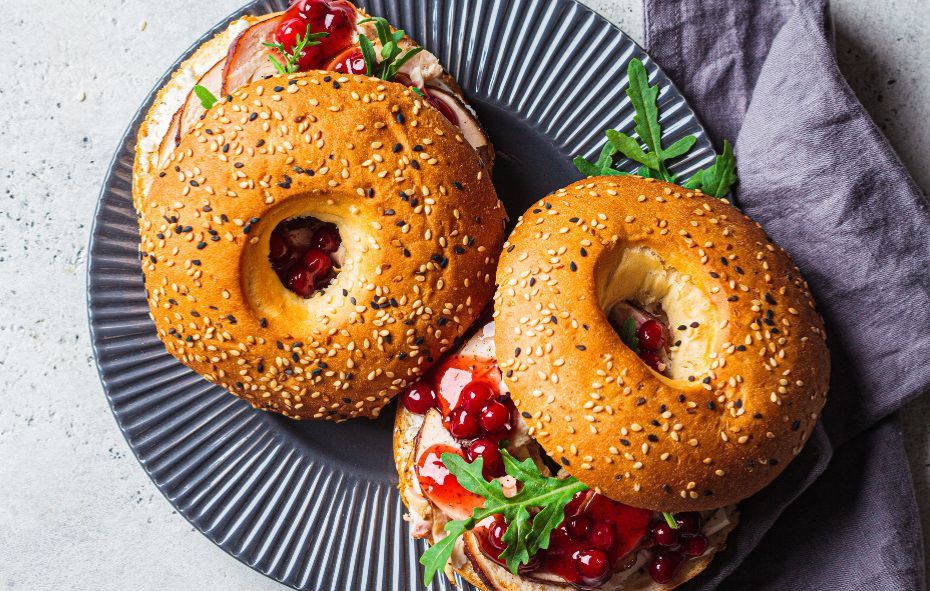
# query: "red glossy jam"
[334,17]
[457,372]
[589,545]
[300,252]
[439,484]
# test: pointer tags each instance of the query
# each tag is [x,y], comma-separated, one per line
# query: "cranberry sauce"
[301,253]
[588,547]
[334,17]
[466,392]
[671,547]
[440,485]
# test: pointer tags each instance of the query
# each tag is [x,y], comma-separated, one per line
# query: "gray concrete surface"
[76,511]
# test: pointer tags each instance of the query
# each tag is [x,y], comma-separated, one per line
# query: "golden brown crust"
[641,438]
[418,268]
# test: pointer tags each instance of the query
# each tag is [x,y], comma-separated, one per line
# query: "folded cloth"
[821,179]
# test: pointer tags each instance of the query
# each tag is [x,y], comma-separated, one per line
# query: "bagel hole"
[637,287]
[306,254]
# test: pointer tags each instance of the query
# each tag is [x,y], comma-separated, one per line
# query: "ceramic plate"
[314,504]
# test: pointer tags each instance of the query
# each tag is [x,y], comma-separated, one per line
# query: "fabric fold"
[821,179]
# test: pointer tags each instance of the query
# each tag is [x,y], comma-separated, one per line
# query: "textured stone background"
[76,511]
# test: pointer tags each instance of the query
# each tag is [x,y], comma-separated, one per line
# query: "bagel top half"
[419,219]
[748,374]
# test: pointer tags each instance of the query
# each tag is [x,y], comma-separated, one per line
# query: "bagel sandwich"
[244,52]
[653,359]
[312,241]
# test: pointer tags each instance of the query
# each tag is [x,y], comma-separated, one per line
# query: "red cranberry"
[335,17]
[651,335]
[578,526]
[651,359]
[591,564]
[496,533]
[495,417]
[318,262]
[488,451]
[301,281]
[349,61]
[420,398]
[279,251]
[694,546]
[326,238]
[664,535]
[689,523]
[664,565]
[474,397]
[602,535]
[463,425]
[286,35]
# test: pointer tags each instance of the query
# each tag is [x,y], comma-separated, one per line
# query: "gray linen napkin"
[818,175]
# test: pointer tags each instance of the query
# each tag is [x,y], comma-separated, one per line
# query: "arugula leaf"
[368,52]
[393,57]
[628,335]
[718,179]
[525,535]
[292,57]
[207,99]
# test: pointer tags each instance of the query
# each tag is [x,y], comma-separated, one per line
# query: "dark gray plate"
[314,504]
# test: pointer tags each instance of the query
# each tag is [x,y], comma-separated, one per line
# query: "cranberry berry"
[664,535]
[651,335]
[463,425]
[420,398]
[664,565]
[488,451]
[593,565]
[474,397]
[578,526]
[694,546]
[496,533]
[495,417]
[602,536]
[689,523]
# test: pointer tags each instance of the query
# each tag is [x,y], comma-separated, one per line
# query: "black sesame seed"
[194,183]
[397,148]
[253,116]
[400,118]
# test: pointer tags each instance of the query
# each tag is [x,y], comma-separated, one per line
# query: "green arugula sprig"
[628,335]
[648,151]
[525,534]
[292,58]
[716,179]
[391,58]
[207,98]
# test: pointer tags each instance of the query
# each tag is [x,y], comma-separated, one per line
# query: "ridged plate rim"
[227,468]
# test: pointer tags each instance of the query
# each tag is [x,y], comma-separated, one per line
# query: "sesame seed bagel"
[419,220]
[747,376]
